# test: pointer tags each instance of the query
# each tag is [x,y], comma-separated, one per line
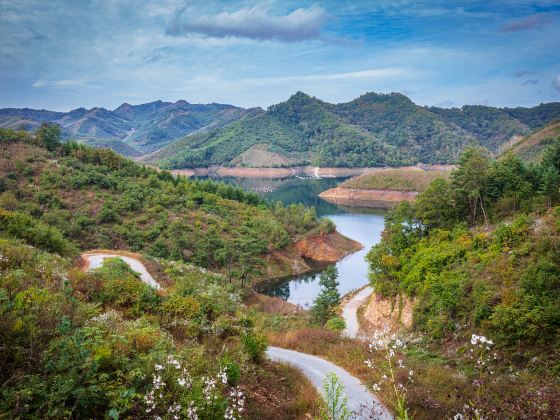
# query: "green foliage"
[91,344]
[334,404]
[500,281]
[372,130]
[401,179]
[255,345]
[325,304]
[34,232]
[100,200]
[336,323]
[49,135]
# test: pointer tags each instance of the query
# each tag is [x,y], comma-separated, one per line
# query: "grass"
[280,392]
[402,179]
[443,378]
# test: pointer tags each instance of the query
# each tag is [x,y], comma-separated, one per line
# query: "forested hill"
[372,130]
[131,130]
[93,198]
[102,343]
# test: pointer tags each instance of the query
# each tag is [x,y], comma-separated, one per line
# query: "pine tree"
[325,304]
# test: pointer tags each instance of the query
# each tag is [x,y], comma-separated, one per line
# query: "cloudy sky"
[60,54]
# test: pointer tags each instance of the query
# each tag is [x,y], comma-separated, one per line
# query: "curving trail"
[95,260]
[360,401]
[350,312]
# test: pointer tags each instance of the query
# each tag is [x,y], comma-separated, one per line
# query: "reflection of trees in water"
[290,190]
[282,290]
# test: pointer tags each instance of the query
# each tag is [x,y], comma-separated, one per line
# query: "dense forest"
[480,252]
[372,130]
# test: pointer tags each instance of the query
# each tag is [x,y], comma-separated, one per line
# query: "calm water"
[362,225]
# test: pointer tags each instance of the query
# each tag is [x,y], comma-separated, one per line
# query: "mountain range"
[132,130]
[372,130]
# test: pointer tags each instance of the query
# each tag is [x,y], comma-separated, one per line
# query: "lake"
[362,225]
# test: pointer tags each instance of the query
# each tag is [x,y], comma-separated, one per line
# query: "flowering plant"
[176,394]
[391,370]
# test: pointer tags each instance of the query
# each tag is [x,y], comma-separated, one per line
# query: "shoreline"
[356,197]
[288,172]
[306,256]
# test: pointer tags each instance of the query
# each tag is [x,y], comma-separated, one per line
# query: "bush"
[336,324]
[34,232]
[255,345]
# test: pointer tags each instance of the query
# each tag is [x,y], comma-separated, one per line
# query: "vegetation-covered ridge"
[372,130]
[532,147]
[131,130]
[480,253]
[93,198]
[102,343]
[401,179]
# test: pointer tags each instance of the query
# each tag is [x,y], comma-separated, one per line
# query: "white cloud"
[253,22]
[374,74]
[66,83]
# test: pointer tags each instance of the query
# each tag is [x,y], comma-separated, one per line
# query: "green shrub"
[255,345]
[336,324]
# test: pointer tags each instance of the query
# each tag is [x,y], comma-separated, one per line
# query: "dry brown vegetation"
[532,147]
[400,179]
[443,378]
[280,392]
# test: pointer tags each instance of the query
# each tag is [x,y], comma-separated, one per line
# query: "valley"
[261,209]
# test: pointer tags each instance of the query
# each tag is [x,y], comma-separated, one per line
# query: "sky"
[61,55]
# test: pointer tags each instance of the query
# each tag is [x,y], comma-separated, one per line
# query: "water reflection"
[362,225]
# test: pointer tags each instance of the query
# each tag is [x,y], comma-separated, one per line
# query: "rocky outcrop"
[382,314]
[366,198]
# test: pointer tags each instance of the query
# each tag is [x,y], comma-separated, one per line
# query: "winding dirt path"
[362,403]
[95,260]
[350,312]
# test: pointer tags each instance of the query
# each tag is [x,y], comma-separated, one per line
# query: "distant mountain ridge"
[372,130]
[132,130]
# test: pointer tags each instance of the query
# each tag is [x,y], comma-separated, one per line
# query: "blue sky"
[64,54]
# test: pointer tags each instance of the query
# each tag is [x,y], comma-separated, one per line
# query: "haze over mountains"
[131,130]
[372,130]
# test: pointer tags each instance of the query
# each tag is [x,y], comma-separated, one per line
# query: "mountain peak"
[373,97]
[300,95]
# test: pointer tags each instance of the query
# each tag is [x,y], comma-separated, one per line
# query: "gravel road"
[96,261]
[350,311]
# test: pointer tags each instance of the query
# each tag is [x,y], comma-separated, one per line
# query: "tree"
[470,180]
[508,178]
[245,256]
[435,206]
[551,156]
[49,135]
[329,298]
[550,184]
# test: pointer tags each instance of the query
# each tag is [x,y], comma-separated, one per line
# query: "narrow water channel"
[362,225]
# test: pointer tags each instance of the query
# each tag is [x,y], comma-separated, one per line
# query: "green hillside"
[372,130]
[103,344]
[532,147]
[97,199]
